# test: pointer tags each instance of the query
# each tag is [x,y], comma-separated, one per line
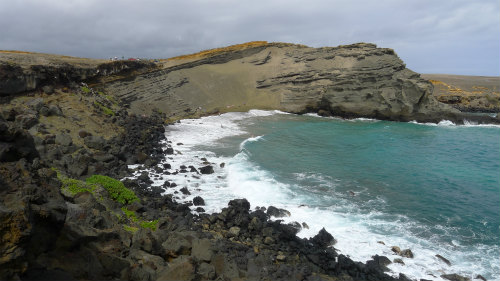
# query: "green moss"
[130,229]
[149,224]
[85,90]
[104,109]
[117,191]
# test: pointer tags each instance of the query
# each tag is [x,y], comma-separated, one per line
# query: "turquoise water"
[432,188]
[435,175]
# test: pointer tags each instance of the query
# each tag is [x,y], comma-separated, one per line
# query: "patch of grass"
[86,90]
[130,214]
[130,229]
[74,186]
[117,191]
[104,109]
[149,224]
[108,97]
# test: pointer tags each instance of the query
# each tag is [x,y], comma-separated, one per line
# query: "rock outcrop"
[21,71]
[358,80]
[467,93]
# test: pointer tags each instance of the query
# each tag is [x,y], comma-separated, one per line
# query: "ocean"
[431,188]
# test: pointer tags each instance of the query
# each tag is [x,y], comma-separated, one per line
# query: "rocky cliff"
[357,80]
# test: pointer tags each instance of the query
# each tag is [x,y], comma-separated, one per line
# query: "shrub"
[117,191]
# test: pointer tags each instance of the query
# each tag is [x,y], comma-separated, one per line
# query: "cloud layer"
[449,36]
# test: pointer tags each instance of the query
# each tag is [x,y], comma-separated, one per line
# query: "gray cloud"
[449,36]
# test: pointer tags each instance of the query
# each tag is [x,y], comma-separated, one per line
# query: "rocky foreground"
[64,143]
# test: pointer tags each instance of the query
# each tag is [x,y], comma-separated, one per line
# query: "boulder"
[206,271]
[406,253]
[198,201]
[202,250]
[36,104]
[181,268]
[206,169]
[48,89]
[54,110]
[240,205]
[95,142]
[176,245]
[234,231]
[63,139]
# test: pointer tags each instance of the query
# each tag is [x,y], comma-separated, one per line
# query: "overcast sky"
[444,36]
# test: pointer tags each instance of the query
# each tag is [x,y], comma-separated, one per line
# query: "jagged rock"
[144,177]
[35,104]
[398,260]
[26,121]
[323,239]
[206,169]
[278,213]
[445,260]
[185,191]
[479,276]
[406,253]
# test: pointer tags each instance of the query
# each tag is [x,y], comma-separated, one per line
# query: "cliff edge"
[358,80]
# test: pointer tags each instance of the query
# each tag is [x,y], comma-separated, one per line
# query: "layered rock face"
[21,71]
[357,80]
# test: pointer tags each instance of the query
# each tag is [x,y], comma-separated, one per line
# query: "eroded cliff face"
[23,72]
[357,80]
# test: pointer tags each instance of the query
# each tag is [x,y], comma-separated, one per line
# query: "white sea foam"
[358,233]
[448,123]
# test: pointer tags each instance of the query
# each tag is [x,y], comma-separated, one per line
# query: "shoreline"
[214,160]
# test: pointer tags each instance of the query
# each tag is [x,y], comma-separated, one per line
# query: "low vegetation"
[117,191]
[74,186]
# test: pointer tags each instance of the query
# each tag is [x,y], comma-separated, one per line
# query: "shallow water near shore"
[432,188]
